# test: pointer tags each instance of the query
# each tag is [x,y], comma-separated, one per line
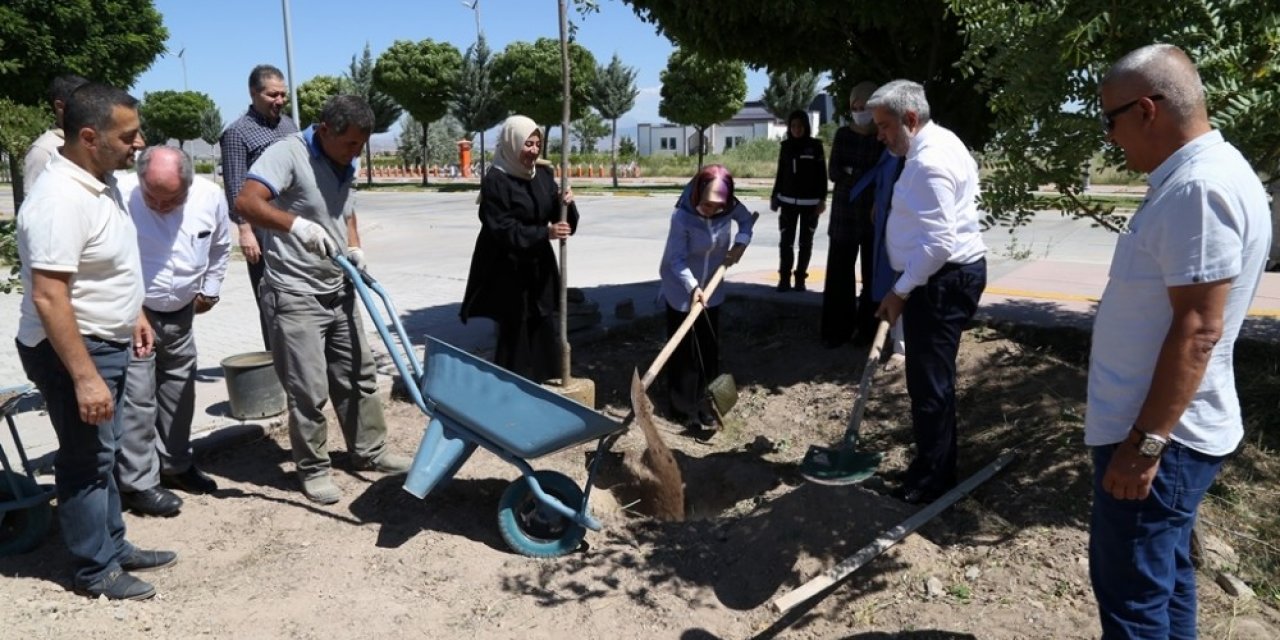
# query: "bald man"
[1162,408]
[184,242]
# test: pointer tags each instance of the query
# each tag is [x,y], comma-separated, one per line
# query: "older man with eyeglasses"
[1162,408]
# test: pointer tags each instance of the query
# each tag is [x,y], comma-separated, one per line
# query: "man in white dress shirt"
[935,246]
[47,144]
[184,242]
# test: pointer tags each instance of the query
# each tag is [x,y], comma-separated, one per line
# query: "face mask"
[861,118]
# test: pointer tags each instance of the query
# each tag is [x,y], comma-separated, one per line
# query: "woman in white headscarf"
[514,279]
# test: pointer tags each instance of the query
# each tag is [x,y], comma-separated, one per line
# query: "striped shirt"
[242,144]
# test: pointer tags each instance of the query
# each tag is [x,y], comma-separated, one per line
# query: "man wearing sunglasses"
[1162,409]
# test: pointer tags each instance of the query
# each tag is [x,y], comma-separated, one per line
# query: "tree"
[476,102]
[173,114]
[588,129]
[443,150]
[111,41]
[700,92]
[613,95]
[854,41]
[627,147]
[20,125]
[421,77]
[530,77]
[1046,120]
[385,110]
[789,91]
[312,95]
[211,125]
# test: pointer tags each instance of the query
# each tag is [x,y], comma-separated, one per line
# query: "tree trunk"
[613,153]
[701,147]
[482,155]
[368,162]
[426,154]
[15,175]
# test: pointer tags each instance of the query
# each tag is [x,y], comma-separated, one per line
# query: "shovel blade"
[838,467]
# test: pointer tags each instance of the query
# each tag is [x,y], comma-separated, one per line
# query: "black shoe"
[118,585]
[800,284]
[192,480]
[784,283]
[707,419]
[148,560]
[156,501]
[917,495]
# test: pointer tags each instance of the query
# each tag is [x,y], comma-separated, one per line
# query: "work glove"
[355,255]
[313,237]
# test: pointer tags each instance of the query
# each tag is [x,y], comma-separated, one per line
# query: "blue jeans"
[88,499]
[1140,550]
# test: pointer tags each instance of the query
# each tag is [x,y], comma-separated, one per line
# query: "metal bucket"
[253,390]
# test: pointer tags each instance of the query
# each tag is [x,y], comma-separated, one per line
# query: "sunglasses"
[1109,117]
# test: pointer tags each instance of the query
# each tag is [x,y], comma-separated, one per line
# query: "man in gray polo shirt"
[317,335]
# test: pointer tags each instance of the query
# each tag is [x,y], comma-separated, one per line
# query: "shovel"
[668,498]
[845,465]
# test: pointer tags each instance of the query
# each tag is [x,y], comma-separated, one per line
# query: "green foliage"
[588,129]
[613,95]
[476,102]
[111,41]
[444,134]
[1034,58]
[20,125]
[360,82]
[359,78]
[530,78]
[173,114]
[701,91]
[312,95]
[211,125]
[9,255]
[627,148]
[789,91]
[854,41]
[422,76]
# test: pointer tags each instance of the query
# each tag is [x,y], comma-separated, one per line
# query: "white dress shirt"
[934,216]
[184,252]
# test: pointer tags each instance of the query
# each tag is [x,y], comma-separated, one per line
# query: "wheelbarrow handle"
[694,310]
[407,365]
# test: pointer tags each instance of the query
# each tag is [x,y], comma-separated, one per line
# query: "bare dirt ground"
[259,561]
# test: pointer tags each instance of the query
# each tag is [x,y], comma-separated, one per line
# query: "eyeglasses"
[1109,117]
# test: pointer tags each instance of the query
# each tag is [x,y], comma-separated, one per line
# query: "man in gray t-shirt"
[310,309]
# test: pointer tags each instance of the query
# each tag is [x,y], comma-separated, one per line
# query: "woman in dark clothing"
[513,278]
[800,190]
[853,153]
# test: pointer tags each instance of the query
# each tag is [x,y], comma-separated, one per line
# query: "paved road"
[419,247]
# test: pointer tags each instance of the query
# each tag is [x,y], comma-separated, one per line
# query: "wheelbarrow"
[25,513]
[473,403]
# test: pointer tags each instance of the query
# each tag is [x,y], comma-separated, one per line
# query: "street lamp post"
[288,59]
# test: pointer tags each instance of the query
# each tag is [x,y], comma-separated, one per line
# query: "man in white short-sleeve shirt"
[82,291]
[185,244]
[300,191]
[46,146]
[1162,407]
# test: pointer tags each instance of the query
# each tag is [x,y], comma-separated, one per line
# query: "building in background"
[752,122]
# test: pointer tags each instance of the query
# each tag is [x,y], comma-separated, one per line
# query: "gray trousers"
[321,354]
[159,402]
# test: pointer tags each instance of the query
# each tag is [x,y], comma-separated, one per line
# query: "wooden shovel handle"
[864,385]
[694,309]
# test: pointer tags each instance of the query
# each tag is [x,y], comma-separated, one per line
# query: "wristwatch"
[1150,445]
[210,299]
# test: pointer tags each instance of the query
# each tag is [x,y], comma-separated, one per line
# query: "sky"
[222,41]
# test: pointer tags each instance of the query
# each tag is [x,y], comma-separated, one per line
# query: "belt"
[170,314]
[333,299]
[956,266]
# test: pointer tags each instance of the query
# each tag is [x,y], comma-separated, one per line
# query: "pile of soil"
[1009,561]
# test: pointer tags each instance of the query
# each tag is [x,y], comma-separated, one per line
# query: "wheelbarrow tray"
[513,413]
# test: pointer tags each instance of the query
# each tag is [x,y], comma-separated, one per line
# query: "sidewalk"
[420,249]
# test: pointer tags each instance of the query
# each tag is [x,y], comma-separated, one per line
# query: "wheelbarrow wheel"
[534,530]
[22,530]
